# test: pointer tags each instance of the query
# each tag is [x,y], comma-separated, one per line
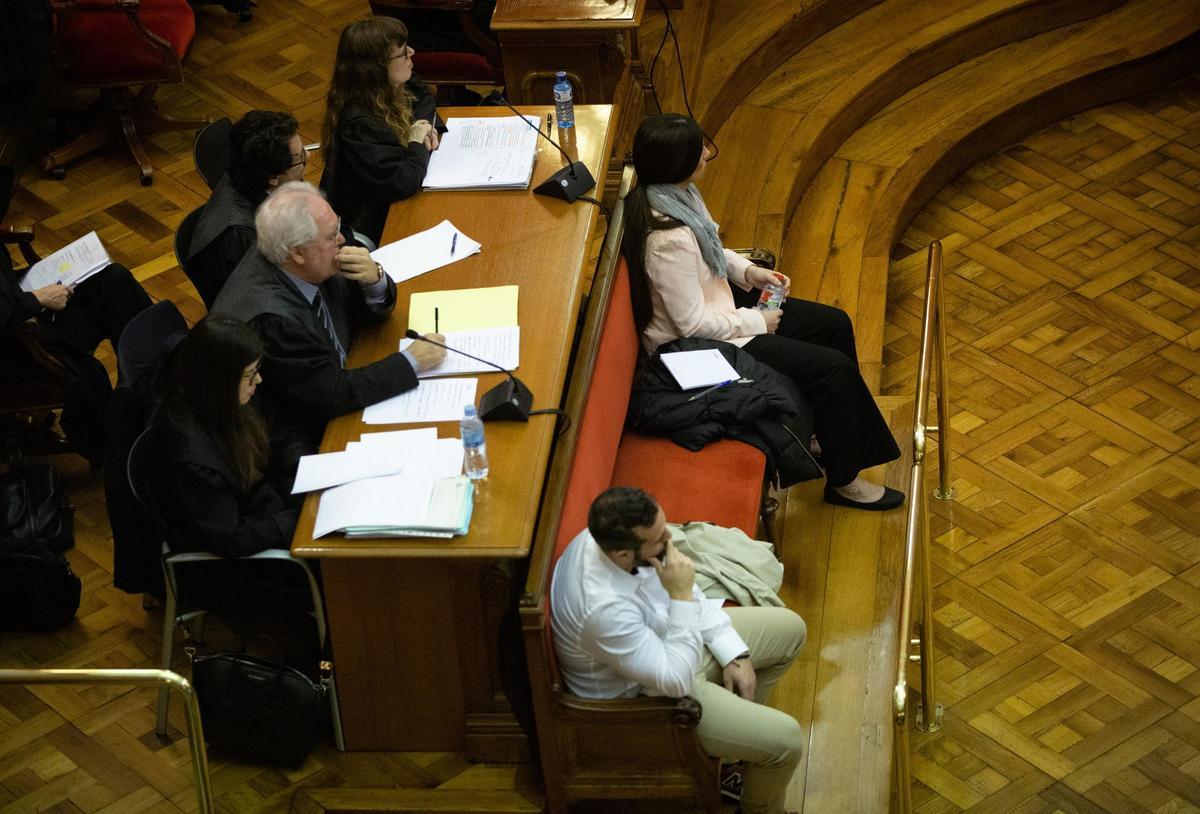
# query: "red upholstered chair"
[116,46]
[452,67]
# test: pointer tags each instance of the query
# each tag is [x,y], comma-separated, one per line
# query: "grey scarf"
[688,208]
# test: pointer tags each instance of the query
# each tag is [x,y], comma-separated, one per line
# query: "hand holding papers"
[424,251]
[484,153]
[69,265]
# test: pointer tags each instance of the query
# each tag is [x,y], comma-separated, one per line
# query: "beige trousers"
[733,728]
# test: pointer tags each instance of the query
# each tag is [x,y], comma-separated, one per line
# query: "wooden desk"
[594,41]
[415,622]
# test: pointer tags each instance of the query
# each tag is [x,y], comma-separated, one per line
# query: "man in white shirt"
[629,620]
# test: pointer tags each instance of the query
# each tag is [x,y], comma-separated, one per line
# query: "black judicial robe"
[369,168]
[304,384]
[224,233]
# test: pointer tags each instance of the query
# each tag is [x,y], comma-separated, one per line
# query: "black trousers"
[100,308]
[814,347]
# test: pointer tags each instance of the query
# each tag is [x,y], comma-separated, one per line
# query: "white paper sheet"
[432,400]
[699,368]
[385,456]
[424,251]
[499,345]
[70,265]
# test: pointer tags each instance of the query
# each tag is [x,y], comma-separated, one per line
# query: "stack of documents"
[391,484]
[699,368]
[484,153]
[70,265]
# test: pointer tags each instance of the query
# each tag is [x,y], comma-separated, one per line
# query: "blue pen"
[453,243]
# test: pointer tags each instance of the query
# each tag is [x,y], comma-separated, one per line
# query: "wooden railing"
[917,544]
[166,678]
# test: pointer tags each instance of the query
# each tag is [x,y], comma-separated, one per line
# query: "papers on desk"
[380,453]
[464,309]
[70,265]
[501,346]
[426,497]
[432,400]
[699,368]
[424,251]
[484,153]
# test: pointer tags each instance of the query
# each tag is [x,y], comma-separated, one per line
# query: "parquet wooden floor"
[1067,569]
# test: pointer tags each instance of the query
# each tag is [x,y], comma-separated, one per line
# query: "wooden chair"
[454,68]
[27,408]
[115,46]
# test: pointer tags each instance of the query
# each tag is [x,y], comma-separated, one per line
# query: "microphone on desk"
[568,183]
[510,400]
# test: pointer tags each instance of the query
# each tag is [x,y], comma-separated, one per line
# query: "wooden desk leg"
[415,646]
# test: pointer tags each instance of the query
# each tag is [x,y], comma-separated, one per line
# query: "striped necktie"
[327,321]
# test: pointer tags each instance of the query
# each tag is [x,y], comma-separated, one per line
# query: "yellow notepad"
[464,309]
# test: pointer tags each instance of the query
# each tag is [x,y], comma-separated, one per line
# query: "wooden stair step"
[412,801]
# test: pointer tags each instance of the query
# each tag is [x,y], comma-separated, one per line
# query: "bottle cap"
[560,75]
[469,411]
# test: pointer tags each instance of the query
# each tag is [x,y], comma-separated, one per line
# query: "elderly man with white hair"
[306,294]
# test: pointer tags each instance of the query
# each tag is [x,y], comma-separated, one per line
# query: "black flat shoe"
[890,500]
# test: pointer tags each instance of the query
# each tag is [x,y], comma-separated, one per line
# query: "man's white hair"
[284,220]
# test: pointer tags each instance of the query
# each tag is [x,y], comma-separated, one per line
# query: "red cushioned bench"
[641,748]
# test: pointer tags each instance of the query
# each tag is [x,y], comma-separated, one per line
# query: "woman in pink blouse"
[681,279]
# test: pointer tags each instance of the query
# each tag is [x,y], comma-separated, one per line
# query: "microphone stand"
[568,183]
[510,400]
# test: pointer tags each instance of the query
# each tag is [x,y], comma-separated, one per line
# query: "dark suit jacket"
[304,384]
[370,168]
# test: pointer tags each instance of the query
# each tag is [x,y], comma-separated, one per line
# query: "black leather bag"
[257,706]
[38,590]
[34,506]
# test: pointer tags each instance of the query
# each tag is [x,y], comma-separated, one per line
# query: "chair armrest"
[683,712]
[130,9]
[22,237]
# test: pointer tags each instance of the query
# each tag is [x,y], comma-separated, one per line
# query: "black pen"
[720,386]
[453,243]
[548,124]
[435,313]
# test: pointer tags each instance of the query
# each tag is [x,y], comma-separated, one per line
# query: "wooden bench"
[640,748]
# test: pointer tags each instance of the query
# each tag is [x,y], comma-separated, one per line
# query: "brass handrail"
[167,678]
[916,536]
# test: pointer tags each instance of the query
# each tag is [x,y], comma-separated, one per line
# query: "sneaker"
[731,782]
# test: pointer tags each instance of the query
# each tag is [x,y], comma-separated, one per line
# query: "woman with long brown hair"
[379,125]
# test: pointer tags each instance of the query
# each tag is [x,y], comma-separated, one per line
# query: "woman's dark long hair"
[666,150]
[206,374]
[360,78]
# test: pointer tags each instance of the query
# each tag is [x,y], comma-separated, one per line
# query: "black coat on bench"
[770,412]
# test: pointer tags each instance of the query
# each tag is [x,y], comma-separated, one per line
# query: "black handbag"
[257,706]
[34,506]
[38,590]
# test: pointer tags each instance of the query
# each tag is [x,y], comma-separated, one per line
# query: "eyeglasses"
[404,54]
[250,375]
[302,161]
[332,238]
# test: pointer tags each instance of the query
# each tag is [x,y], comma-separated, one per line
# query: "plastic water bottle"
[772,295]
[564,104]
[475,460]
